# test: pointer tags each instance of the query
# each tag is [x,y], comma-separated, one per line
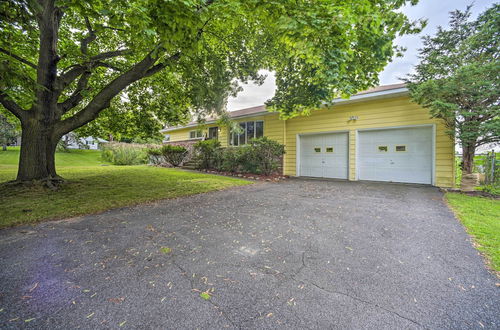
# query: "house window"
[213,133]
[166,138]
[382,148]
[248,130]
[400,148]
[195,134]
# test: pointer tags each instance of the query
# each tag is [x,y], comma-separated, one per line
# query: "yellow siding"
[390,112]
[380,113]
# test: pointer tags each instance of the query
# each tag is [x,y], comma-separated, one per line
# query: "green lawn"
[481,218]
[94,186]
[73,158]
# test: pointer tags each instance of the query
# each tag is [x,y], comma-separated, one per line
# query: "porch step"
[192,164]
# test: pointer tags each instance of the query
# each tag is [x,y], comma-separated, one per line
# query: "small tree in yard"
[66,65]
[7,132]
[458,78]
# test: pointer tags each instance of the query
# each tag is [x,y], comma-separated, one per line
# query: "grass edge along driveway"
[94,189]
[480,216]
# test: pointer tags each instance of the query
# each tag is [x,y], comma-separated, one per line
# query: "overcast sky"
[435,11]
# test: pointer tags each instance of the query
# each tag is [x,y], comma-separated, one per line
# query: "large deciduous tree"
[65,62]
[458,79]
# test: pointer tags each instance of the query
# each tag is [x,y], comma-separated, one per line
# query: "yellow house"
[376,135]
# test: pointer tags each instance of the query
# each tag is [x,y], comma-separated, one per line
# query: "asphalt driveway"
[298,254]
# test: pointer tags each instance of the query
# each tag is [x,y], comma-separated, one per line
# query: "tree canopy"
[65,63]
[458,79]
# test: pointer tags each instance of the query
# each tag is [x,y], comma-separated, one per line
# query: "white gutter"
[355,98]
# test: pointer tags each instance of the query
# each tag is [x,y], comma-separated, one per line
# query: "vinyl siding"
[273,129]
[378,113]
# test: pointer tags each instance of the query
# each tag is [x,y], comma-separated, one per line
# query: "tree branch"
[12,106]
[76,97]
[158,67]
[19,58]
[89,38]
[103,99]
[145,68]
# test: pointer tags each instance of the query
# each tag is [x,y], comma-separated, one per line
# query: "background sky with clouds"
[435,11]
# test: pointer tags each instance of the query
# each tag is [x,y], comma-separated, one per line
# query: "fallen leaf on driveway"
[34,287]
[205,295]
[116,300]
[165,250]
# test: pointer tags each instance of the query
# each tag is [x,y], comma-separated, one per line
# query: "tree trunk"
[37,158]
[468,158]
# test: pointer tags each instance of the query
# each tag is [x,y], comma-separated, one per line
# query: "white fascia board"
[375,95]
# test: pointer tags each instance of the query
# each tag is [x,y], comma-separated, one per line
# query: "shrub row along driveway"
[301,254]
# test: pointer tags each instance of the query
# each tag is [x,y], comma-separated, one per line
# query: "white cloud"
[436,12]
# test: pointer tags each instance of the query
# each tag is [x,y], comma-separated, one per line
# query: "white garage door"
[397,155]
[324,155]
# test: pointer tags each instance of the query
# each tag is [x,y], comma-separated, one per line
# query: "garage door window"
[400,148]
[382,148]
[317,149]
[329,149]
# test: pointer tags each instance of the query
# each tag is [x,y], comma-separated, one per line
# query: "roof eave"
[355,98]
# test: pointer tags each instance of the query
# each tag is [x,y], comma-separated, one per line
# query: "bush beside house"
[261,156]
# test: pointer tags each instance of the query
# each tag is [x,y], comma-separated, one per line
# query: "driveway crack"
[185,273]
[366,302]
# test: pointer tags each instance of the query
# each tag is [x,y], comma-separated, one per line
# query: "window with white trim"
[195,134]
[248,130]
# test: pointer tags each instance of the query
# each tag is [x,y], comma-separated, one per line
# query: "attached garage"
[324,155]
[396,155]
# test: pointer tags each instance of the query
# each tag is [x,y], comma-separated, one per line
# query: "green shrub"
[155,156]
[174,155]
[154,152]
[209,153]
[124,154]
[230,159]
[264,155]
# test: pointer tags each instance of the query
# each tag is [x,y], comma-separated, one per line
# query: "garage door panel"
[413,165]
[324,155]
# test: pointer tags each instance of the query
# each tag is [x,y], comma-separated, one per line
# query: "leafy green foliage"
[153,151]
[124,154]
[458,79]
[174,155]
[200,48]
[231,159]
[261,156]
[208,152]
[265,154]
